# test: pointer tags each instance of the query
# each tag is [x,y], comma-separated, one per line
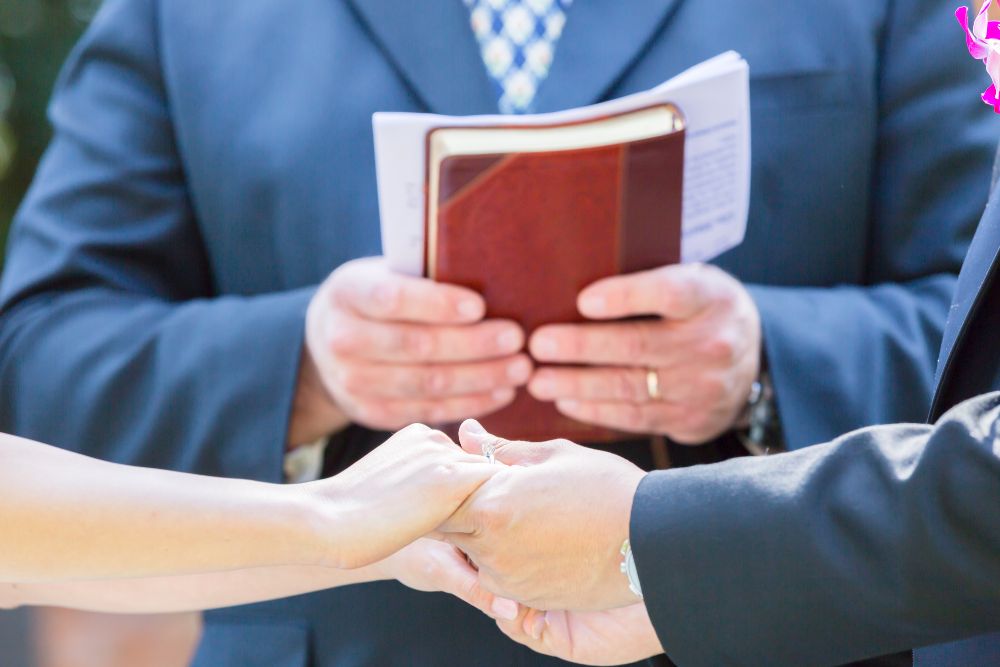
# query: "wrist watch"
[762,433]
[629,570]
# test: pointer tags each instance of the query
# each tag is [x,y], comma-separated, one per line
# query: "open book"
[713,98]
[529,210]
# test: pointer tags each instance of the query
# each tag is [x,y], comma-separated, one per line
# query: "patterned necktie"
[518,40]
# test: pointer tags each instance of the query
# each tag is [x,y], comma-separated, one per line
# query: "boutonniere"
[983,41]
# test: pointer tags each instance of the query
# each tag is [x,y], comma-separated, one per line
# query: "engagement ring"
[489,451]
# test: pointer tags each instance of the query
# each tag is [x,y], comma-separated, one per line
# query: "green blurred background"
[35,36]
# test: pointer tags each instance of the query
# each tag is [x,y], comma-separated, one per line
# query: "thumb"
[476,440]
[678,291]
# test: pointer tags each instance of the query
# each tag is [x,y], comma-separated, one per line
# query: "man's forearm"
[872,544]
[69,517]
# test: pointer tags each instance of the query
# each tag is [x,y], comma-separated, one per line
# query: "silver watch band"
[629,569]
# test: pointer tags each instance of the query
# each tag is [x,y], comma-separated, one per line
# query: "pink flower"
[984,44]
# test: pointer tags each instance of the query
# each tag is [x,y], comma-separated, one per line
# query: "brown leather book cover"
[530,230]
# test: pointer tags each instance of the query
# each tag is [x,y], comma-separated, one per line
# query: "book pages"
[714,98]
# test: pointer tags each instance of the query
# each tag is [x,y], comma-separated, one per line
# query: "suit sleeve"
[870,350]
[880,541]
[113,339]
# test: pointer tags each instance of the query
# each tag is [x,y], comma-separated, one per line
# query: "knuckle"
[445,471]
[713,389]
[416,344]
[624,386]
[350,380]
[634,415]
[635,344]
[721,349]
[727,299]
[437,436]
[433,381]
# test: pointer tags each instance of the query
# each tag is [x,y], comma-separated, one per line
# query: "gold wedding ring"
[653,384]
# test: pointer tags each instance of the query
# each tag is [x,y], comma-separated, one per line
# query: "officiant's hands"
[613,637]
[703,354]
[399,492]
[388,350]
[547,531]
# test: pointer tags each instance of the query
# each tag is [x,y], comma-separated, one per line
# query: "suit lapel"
[602,39]
[979,264]
[432,46]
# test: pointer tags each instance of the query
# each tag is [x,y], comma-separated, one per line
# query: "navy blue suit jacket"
[885,539]
[212,162]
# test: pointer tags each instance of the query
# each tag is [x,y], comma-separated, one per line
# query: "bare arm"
[183,592]
[424,565]
[68,517]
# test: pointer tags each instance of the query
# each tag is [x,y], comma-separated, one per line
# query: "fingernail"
[544,346]
[519,371]
[568,405]
[543,388]
[505,609]
[509,341]
[502,394]
[469,308]
[537,626]
[593,303]
[473,427]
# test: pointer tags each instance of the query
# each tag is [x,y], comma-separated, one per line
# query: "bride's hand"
[399,492]
[430,566]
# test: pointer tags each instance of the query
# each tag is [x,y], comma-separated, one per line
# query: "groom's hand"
[613,637]
[548,531]
[389,350]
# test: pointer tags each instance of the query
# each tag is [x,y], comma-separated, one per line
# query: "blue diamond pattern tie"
[518,40]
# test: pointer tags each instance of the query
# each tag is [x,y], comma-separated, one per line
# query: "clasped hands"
[386,350]
[525,540]
[546,530]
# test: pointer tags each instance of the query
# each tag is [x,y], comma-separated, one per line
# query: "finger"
[591,384]
[462,581]
[515,629]
[531,630]
[371,290]
[362,379]
[679,291]
[681,422]
[646,343]
[624,385]
[473,437]
[354,337]
[391,414]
